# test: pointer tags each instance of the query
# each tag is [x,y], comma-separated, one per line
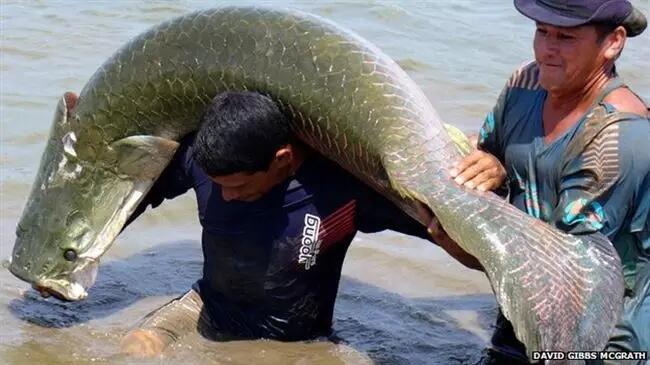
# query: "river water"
[401,300]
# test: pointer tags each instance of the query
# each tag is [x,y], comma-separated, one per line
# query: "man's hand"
[142,343]
[479,170]
[433,226]
[441,237]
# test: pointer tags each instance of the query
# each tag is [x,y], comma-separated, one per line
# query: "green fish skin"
[349,101]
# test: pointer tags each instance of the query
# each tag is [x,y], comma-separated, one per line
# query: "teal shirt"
[604,188]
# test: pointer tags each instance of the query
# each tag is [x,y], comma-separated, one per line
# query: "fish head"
[79,204]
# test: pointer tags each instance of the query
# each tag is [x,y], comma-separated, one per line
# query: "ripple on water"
[28,139]
[390,12]
[161,9]
[27,53]
[12,188]
[410,64]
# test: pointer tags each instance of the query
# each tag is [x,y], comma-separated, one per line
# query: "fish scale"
[347,100]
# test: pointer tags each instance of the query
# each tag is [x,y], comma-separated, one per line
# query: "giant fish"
[349,101]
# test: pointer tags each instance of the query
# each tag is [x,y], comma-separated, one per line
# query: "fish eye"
[70,255]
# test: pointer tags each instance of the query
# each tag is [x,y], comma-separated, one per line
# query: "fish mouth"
[47,292]
[70,288]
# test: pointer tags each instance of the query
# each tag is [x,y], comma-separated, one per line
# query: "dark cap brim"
[535,11]
[635,23]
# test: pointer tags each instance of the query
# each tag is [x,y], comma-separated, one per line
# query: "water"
[401,300]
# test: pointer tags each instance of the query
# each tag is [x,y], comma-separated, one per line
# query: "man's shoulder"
[325,179]
[517,108]
[619,124]
[525,77]
[187,142]
[632,134]
[320,170]
[183,165]
[624,100]
[613,143]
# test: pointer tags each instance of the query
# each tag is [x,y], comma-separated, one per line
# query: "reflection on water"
[373,325]
[402,301]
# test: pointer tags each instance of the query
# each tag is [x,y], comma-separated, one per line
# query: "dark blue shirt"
[604,188]
[272,266]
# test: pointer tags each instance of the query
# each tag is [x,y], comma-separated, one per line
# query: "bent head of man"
[575,40]
[244,145]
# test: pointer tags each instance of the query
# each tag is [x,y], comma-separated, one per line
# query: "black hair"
[603,30]
[240,132]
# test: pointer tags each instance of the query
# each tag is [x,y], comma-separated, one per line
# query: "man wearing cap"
[571,142]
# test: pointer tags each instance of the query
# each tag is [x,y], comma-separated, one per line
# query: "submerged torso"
[272,266]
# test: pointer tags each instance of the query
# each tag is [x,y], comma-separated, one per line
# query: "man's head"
[243,144]
[576,39]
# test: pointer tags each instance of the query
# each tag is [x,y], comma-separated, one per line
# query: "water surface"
[401,300]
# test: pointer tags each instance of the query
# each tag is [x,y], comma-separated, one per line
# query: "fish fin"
[462,142]
[143,157]
[403,191]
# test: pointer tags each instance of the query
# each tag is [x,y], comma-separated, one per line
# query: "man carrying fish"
[575,142]
[277,221]
[350,102]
